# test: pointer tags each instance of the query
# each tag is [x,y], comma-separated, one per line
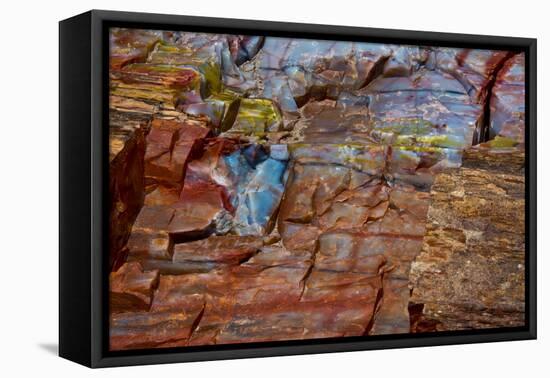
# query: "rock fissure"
[485,135]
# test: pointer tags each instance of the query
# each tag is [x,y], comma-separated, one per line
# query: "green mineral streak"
[502,142]
[405,140]
[411,132]
[447,141]
[255,116]
[348,154]
[231,93]
[259,108]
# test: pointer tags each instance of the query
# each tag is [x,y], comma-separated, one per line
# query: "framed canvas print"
[233,188]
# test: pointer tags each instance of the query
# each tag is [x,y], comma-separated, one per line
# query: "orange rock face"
[269,189]
[131,288]
[126,179]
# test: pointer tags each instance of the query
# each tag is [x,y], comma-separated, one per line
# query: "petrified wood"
[126,181]
[269,189]
[471,273]
[131,288]
[508,103]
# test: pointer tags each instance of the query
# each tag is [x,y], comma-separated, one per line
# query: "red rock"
[366,195]
[399,251]
[162,85]
[227,249]
[326,286]
[208,291]
[131,289]
[170,145]
[192,131]
[397,223]
[200,170]
[159,168]
[267,287]
[162,75]
[311,190]
[410,200]
[298,237]
[154,218]
[342,215]
[186,292]
[348,252]
[353,208]
[126,181]
[392,316]
[159,141]
[295,322]
[344,269]
[177,308]
[149,239]
[361,238]
[143,245]
[143,330]
[338,125]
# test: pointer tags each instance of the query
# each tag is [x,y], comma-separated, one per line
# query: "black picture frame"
[83,196]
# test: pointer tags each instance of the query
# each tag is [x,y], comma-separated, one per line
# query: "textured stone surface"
[154,329]
[508,102]
[471,272]
[126,178]
[268,189]
[131,289]
[170,145]
[473,68]
[428,108]
[131,46]
[217,251]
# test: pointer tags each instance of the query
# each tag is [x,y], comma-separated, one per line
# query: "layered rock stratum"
[267,189]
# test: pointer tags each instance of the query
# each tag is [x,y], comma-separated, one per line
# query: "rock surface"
[471,271]
[131,288]
[268,189]
[508,102]
[126,178]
